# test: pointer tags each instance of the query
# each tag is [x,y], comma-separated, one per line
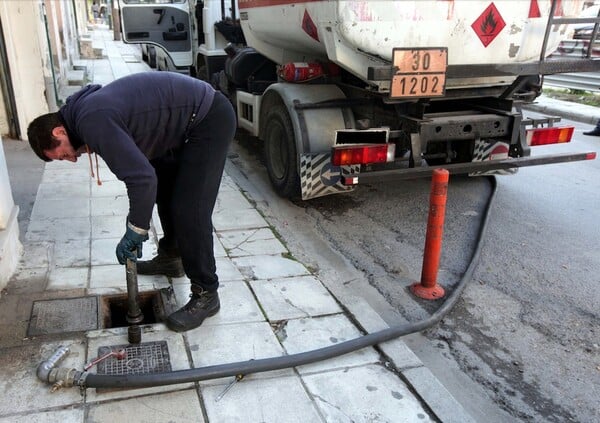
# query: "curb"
[573,111]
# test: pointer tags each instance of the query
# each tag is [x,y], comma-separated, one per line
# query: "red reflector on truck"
[544,136]
[349,154]
[349,180]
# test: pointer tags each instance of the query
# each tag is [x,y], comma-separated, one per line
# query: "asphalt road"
[523,342]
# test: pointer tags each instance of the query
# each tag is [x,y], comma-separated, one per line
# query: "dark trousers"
[188,183]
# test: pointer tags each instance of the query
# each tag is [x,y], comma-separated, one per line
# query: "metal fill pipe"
[134,312]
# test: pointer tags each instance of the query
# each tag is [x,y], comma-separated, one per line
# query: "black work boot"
[163,264]
[199,307]
[595,132]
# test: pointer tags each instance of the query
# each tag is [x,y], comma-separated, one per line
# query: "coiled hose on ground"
[90,380]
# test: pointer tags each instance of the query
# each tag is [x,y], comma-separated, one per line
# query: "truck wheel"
[280,152]
[151,57]
[202,73]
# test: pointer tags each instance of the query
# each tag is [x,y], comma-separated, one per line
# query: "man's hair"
[40,135]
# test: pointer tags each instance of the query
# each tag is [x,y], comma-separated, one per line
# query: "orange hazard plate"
[419,72]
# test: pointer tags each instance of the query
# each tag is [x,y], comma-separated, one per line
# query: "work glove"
[130,246]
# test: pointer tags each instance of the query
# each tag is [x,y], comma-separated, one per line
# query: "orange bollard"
[428,288]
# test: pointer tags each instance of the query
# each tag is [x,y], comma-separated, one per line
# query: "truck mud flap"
[318,177]
[491,150]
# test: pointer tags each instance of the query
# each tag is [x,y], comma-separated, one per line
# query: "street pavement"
[68,284]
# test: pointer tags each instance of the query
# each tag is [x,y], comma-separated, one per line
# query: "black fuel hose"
[89,380]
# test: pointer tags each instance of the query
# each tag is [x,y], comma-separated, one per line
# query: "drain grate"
[63,315]
[144,358]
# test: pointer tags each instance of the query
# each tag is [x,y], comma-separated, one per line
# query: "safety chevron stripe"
[318,177]
[491,150]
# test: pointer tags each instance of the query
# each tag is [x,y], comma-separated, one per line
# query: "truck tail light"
[544,136]
[351,154]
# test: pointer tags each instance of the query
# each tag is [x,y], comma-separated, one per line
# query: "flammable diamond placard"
[488,25]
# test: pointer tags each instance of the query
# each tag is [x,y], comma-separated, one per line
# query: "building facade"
[39,45]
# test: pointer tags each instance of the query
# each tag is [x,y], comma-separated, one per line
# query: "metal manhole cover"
[144,358]
[63,315]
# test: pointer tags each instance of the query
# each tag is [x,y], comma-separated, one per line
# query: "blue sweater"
[133,120]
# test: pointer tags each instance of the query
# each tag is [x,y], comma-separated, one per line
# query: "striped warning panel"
[318,177]
[491,150]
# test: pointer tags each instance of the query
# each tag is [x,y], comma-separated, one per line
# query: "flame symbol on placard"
[488,26]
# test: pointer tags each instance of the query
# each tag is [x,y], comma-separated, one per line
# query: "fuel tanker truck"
[347,92]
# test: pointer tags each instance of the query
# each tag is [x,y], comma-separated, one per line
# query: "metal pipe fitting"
[43,370]
[64,378]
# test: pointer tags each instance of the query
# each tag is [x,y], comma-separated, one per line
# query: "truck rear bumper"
[458,168]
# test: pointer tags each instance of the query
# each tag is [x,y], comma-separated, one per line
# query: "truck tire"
[280,152]
[202,73]
[151,57]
